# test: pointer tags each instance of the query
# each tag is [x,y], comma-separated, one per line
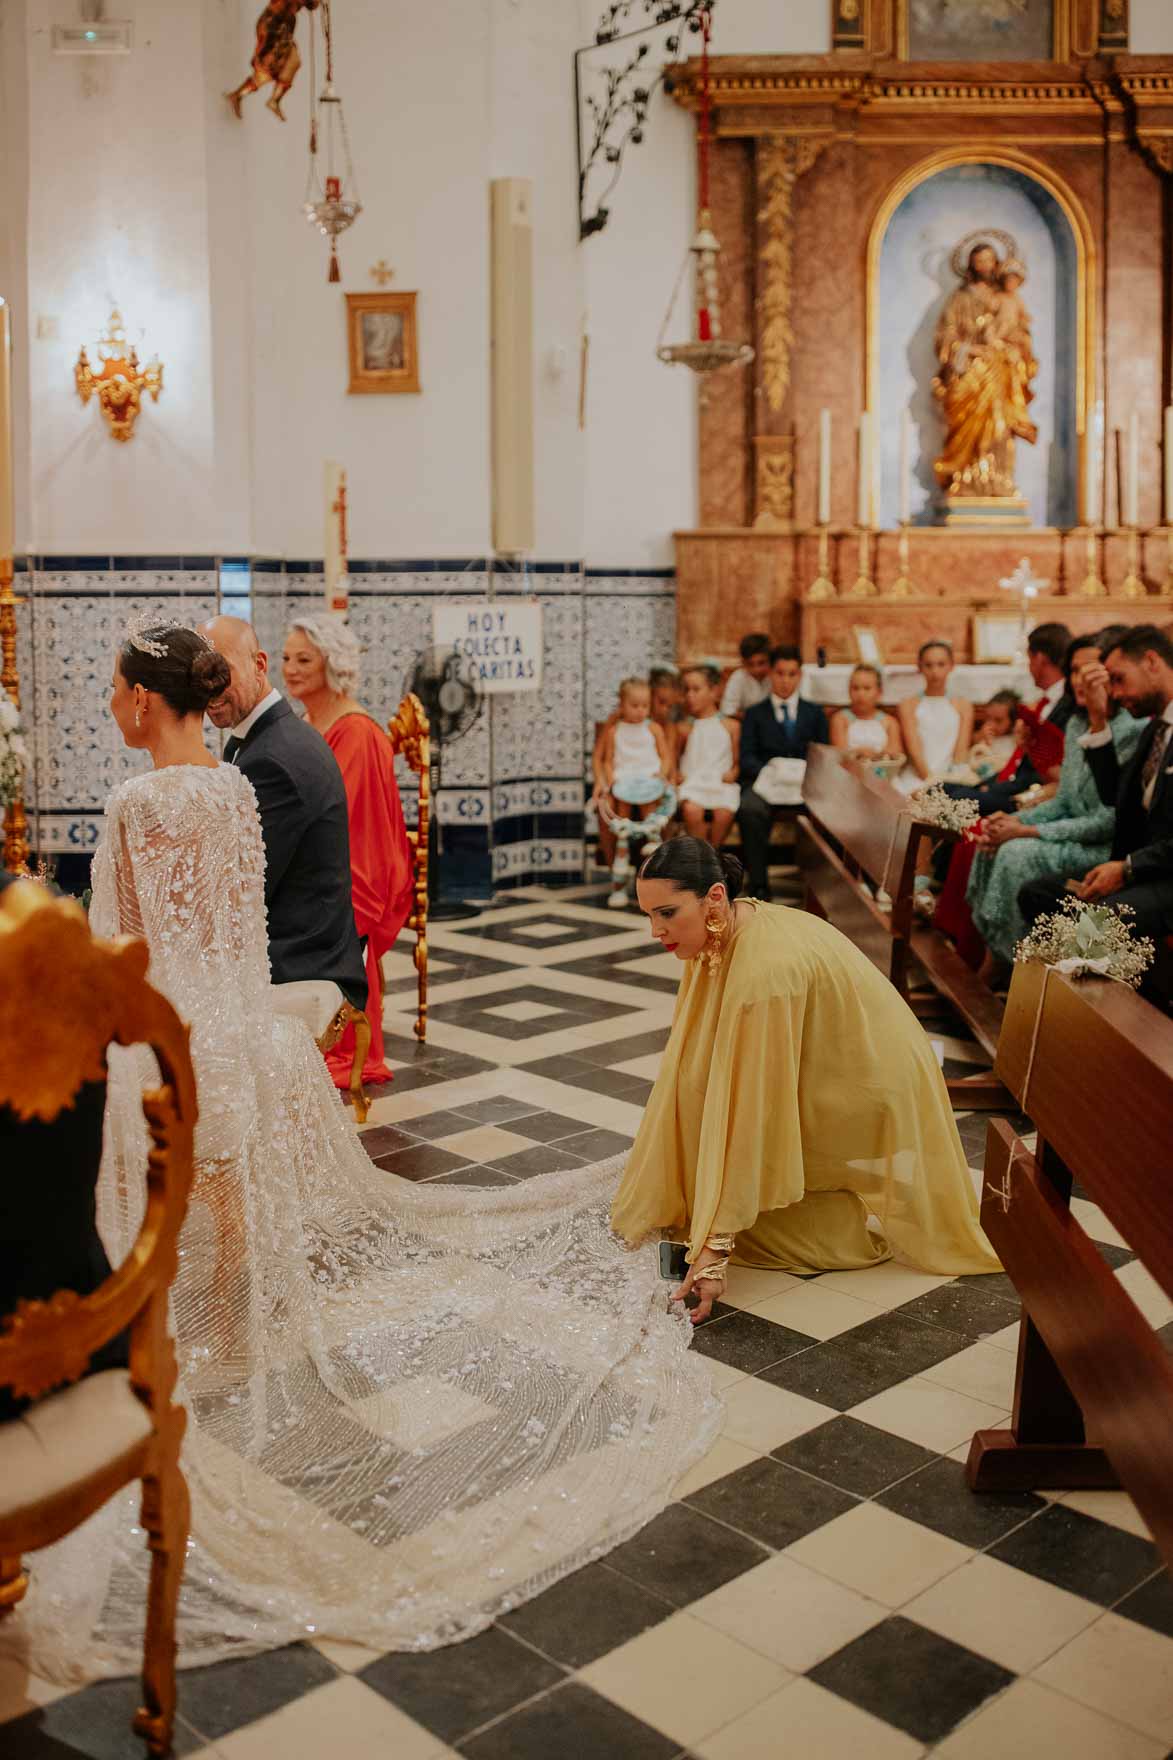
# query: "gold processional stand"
[16,843]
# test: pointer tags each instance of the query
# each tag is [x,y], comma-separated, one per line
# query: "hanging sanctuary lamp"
[709,350]
[331,198]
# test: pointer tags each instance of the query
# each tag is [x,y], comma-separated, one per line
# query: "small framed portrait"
[383,342]
[996,639]
[867,646]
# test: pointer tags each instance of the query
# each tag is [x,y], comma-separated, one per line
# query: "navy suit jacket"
[764,737]
[302,802]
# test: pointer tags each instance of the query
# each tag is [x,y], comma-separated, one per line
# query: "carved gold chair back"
[64,997]
[411,737]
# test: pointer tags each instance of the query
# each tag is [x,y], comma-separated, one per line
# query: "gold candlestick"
[1092,587]
[16,843]
[1133,586]
[823,587]
[902,587]
[865,586]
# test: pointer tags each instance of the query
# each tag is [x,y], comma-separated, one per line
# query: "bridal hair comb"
[145,628]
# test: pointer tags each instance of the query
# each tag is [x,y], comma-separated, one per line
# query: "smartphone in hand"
[673,1264]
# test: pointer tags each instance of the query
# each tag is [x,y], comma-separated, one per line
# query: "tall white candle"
[1169,466]
[1132,511]
[905,467]
[824,514]
[335,538]
[864,498]
[6,533]
[1093,441]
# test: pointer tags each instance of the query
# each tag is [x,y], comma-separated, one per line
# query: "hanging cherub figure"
[276,58]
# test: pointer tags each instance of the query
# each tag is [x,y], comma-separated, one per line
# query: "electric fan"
[444,685]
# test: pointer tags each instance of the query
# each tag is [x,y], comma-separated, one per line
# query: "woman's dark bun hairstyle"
[187,675]
[694,866]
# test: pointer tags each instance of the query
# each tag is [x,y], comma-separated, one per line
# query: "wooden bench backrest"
[1094,1073]
[865,816]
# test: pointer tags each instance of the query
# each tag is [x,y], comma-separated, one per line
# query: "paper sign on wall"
[501,643]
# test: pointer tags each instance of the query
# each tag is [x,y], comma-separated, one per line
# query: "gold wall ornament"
[120,382]
[773,479]
[781,161]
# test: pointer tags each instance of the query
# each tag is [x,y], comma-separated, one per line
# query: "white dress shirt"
[784,706]
[742,692]
[1051,696]
[262,708]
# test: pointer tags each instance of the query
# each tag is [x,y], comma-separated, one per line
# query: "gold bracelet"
[717,1272]
[721,1243]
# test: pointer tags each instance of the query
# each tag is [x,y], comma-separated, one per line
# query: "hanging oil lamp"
[331,201]
[709,350]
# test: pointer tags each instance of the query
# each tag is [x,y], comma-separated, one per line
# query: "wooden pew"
[856,828]
[1091,1064]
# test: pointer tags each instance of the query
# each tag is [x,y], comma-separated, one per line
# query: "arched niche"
[909,279]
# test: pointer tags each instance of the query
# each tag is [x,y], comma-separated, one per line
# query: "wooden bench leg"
[979,1093]
[1046,1445]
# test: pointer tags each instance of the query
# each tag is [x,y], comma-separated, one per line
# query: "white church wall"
[1150,27]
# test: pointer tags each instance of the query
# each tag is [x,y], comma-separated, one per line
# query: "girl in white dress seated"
[865,730]
[937,728]
[708,761]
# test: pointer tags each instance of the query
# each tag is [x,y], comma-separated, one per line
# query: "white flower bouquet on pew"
[13,751]
[932,806]
[1088,941]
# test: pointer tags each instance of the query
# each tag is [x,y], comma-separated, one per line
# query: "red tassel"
[335,272]
[704,326]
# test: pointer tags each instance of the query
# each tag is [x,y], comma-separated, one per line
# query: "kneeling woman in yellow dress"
[798,1097]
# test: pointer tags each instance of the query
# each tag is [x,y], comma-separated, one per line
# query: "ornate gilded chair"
[411,737]
[327,1014]
[64,997]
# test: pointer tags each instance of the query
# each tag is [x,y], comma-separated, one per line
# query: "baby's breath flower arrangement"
[13,751]
[1088,941]
[932,806]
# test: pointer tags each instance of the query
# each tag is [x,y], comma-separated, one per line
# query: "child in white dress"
[632,763]
[937,728]
[708,759]
[865,730]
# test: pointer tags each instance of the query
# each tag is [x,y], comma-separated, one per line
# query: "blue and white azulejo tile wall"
[512,789]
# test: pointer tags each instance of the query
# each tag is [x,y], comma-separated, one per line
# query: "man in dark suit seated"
[781,726]
[1046,653]
[1138,672]
[304,822]
[48,1233]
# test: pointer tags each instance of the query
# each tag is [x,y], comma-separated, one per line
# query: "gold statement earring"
[714,947]
[138,717]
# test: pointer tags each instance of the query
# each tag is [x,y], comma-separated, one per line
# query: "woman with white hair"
[320,667]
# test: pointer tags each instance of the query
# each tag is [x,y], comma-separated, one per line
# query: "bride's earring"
[714,947]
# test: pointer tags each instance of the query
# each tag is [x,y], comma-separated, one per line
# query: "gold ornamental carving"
[782,160]
[119,382]
[773,479]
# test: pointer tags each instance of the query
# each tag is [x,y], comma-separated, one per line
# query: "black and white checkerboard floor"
[824,1584]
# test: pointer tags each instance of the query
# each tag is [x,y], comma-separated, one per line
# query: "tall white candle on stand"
[1169,467]
[864,499]
[1132,508]
[905,467]
[824,514]
[337,595]
[1093,469]
[6,533]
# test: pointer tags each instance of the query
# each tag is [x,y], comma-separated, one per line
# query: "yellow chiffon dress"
[798,1096]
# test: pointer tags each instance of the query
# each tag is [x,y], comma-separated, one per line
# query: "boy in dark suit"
[304,822]
[1138,672]
[782,726]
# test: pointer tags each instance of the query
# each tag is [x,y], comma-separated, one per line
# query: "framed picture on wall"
[996,639]
[867,646]
[383,343]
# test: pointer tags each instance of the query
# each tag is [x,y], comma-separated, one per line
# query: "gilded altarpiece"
[811,158]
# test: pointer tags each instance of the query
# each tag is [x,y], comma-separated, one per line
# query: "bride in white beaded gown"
[409,1408]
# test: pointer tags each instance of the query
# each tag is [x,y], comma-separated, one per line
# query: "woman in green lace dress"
[1061,838]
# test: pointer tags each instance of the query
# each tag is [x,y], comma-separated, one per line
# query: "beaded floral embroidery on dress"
[410,1408]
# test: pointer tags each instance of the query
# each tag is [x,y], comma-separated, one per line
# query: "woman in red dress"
[320,667]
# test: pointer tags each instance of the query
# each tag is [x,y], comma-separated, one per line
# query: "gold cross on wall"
[381,272]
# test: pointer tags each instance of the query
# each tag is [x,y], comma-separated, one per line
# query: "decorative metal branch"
[618,112]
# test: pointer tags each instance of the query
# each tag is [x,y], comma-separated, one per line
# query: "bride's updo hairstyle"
[694,866]
[177,664]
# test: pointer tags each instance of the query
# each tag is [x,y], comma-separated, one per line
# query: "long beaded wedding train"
[410,1408]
